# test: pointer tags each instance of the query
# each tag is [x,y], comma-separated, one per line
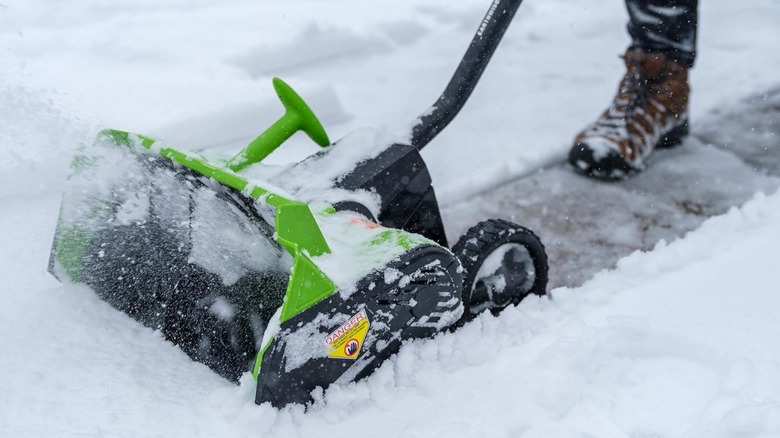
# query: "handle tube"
[297,117]
[466,76]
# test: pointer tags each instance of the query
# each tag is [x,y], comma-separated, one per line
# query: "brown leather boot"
[650,111]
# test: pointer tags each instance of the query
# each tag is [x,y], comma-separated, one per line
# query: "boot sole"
[613,167]
[674,137]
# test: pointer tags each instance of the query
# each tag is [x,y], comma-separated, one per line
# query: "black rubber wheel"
[503,264]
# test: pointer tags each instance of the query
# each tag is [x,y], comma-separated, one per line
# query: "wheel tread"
[481,239]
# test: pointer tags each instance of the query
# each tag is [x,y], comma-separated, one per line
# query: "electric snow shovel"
[307,276]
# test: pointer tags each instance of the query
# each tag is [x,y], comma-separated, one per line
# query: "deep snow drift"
[677,342]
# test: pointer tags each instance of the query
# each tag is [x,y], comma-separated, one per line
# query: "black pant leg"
[667,26]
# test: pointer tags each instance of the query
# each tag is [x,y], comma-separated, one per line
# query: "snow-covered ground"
[677,342]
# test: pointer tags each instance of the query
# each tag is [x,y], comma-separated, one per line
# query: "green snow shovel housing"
[306,276]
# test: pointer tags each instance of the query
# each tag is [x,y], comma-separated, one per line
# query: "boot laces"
[632,96]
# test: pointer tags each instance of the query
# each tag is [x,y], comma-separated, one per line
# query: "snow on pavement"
[151,68]
[680,341]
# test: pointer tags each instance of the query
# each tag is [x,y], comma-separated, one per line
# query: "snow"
[314,180]
[494,281]
[225,243]
[357,247]
[679,341]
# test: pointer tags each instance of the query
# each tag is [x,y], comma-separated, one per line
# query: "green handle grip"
[297,117]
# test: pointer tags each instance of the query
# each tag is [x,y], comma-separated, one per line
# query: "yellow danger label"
[346,341]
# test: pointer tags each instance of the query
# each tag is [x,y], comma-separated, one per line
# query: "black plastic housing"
[145,269]
[419,304]
[401,179]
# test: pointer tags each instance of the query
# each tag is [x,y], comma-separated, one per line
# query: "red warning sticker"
[371,225]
